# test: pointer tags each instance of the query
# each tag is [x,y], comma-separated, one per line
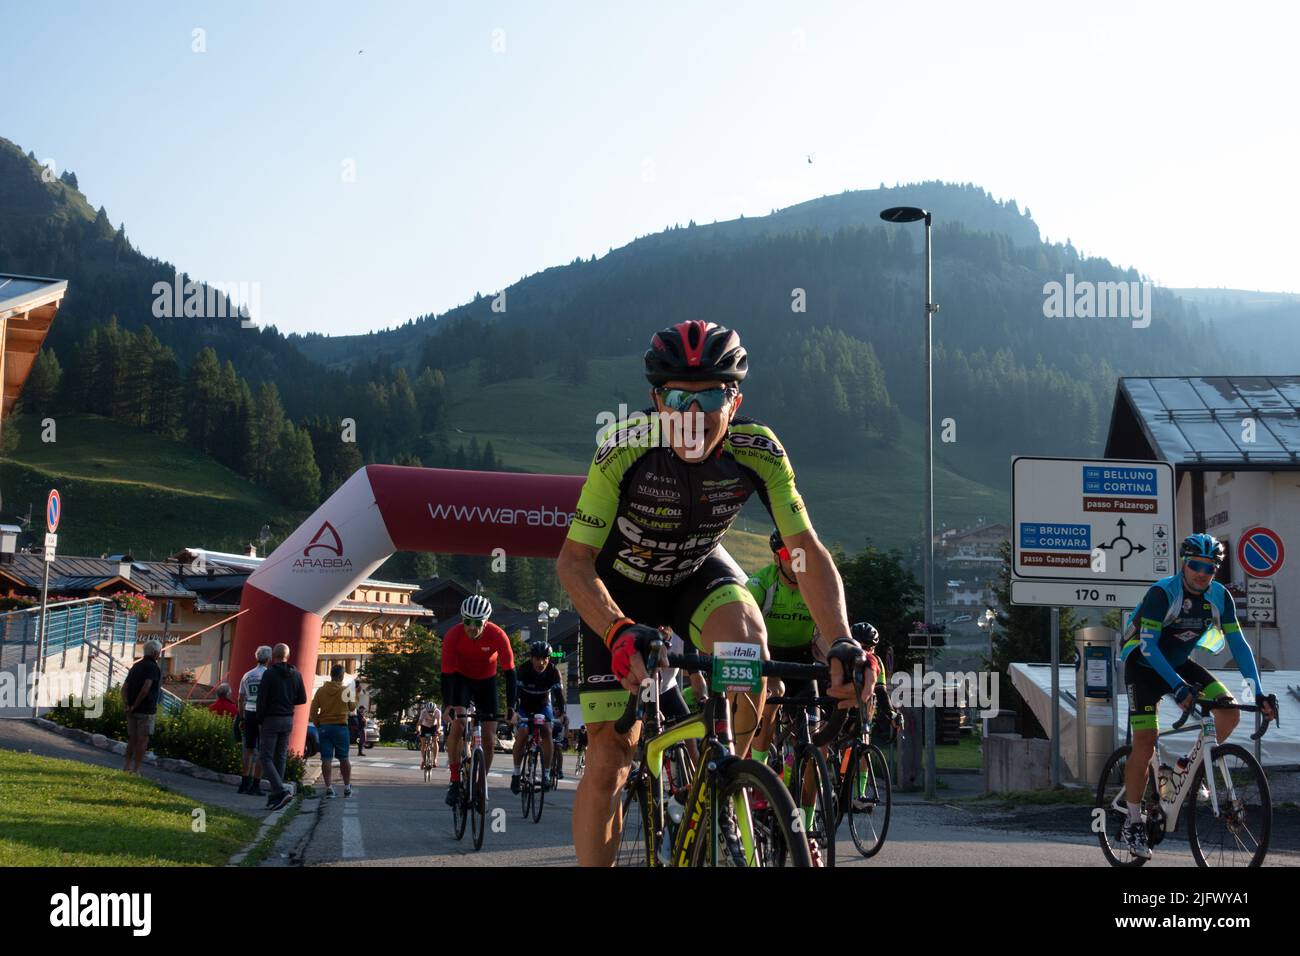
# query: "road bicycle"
[803,767]
[861,782]
[718,823]
[426,756]
[471,789]
[1229,807]
[531,791]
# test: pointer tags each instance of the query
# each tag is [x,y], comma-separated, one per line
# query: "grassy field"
[126,490]
[552,426]
[63,813]
[965,755]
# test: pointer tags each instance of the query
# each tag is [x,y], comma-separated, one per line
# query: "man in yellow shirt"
[329,712]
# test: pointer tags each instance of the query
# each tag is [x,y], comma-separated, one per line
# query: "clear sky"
[491,140]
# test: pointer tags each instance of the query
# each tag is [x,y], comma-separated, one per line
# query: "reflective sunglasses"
[473,621]
[711,399]
[1202,567]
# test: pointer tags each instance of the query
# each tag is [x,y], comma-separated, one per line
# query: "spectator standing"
[248,690]
[223,704]
[329,712]
[280,692]
[140,696]
[361,730]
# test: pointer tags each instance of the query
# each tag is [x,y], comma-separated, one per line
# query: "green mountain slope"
[544,425]
[126,490]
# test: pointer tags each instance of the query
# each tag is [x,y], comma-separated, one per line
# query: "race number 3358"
[736,668]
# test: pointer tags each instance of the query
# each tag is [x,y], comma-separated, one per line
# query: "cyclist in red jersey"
[472,653]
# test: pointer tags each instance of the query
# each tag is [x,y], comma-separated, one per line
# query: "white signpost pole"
[1056,696]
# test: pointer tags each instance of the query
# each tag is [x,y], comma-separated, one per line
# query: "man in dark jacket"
[281,690]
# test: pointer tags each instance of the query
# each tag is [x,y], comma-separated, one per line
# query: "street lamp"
[545,615]
[916,214]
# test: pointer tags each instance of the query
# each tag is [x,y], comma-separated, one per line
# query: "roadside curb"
[269,823]
[316,807]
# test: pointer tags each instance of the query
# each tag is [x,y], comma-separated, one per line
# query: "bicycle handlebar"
[704,662]
[1205,705]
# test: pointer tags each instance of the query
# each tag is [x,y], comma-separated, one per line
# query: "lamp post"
[916,214]
[545,615]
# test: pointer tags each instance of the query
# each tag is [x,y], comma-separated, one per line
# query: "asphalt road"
[395,818]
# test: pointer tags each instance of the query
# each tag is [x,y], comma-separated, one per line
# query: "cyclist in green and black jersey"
[644,550]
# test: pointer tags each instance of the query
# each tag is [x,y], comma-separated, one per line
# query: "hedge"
[195,734]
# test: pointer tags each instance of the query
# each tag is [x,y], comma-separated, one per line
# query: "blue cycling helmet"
[1203,545]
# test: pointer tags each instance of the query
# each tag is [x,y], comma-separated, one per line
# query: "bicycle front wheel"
[739,835]
[1238,835]
[816,799]
[460,809]
[525,783]
[637,844]
[478,798]
[1111,809]
[870,797]
[535,784]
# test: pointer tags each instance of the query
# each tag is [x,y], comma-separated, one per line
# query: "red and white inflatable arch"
[380,510]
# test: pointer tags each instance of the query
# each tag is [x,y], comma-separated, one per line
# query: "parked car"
[372,732]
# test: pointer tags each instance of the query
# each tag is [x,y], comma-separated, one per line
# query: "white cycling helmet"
[476,606]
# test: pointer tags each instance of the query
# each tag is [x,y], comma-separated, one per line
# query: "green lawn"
[965,755]
[126,490]
[63,813]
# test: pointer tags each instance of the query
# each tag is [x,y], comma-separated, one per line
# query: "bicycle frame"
[467,739]
[715,752]
[1201,753]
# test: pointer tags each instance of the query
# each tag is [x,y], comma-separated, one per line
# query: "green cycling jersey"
[789,622]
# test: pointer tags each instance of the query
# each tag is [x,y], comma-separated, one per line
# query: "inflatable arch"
[380,510]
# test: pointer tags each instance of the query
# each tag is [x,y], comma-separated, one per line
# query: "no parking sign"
[1261,552]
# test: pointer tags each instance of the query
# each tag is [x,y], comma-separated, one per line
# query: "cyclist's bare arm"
[576,569]
[820,584]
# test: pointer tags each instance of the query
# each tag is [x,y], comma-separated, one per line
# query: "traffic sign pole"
[53,513]
[1259,656]
[40,640]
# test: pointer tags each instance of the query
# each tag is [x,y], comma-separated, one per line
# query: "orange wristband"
[615,625]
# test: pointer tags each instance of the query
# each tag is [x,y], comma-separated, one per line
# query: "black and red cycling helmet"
[696,351]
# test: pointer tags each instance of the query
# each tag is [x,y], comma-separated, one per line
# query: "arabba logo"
[326,539]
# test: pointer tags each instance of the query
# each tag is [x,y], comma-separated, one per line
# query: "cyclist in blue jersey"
[1175,614]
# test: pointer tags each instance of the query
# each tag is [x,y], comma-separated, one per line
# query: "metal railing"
[95,627]
[68,625]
